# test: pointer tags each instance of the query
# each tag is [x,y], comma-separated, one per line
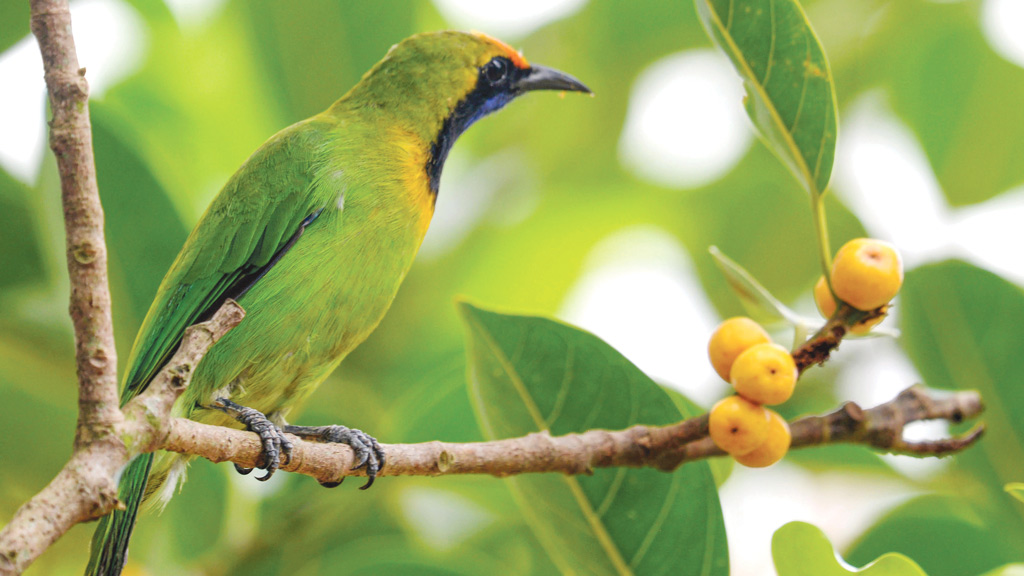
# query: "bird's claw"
[277,448]
[368,452]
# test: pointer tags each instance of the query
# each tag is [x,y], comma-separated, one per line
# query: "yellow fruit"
[823,298]
[867,273]
[774,447]
[738,425]
[731,339]
[827,306]
[765,373]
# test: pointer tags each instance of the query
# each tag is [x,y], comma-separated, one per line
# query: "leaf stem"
[821,227]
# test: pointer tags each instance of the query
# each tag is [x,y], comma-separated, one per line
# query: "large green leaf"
[970,129]
[530,374]
[790,96]
[946,535]
[801,549]
[962,329]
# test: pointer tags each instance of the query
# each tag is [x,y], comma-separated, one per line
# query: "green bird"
[312,236]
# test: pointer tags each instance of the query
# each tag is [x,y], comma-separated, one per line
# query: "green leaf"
[969,129]
[801,549]
[961,328]
[945,535]
[756,299]
[529,374]
[790,95]
[1016,489]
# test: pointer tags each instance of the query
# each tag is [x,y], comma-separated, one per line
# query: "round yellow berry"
[731,339]
[765,373]
[867,273]
[827,306]
[774,447]
[823,298]
[738,425]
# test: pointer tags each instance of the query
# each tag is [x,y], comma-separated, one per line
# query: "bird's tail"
[110,541]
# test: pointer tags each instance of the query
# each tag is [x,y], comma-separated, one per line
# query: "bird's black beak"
[539,77]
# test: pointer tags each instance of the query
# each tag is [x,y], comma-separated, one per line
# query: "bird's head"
[437,84]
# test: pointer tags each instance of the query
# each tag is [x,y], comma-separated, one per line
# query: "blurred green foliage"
[168,136]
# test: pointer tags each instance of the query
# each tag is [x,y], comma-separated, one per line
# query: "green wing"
[243,232]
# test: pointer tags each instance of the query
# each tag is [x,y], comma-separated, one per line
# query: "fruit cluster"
[866,275]
[762,373]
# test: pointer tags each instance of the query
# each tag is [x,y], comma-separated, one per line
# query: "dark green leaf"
[801,549]
[944,534]
[962,329]
[970,129]
[530,374]
[790,96]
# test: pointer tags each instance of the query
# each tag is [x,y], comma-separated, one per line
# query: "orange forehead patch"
[506,50]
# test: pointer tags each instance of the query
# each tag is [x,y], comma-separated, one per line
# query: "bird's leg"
[275,443]
[368,452]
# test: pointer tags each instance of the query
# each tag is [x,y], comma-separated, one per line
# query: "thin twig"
[818,348]
[146,415]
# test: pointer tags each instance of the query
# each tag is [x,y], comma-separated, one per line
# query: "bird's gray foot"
[368,452]
[275,443]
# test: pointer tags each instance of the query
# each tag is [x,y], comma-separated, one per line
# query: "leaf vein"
[771,44]
[596,526]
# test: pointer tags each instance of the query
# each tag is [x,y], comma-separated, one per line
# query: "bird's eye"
[496,70]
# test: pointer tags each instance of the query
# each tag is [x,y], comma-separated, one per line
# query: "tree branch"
[71,141]
[86,488]
[107,437]
[665,448]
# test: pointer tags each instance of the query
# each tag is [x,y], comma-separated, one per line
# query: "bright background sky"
[685,127]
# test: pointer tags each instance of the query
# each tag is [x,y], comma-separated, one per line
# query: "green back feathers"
[252,218]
